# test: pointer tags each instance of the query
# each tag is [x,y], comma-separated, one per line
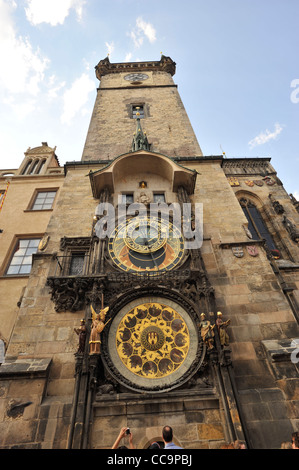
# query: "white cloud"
[76,97]
[53,12]
[142,30]
[21,108]
[296,194]
[53,91]
[147,29]
[128,57]
[22,68]
[137,39]
[265,136]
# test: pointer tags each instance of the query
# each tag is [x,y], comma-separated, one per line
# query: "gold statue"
[206,331]
[221,325]
[97,327]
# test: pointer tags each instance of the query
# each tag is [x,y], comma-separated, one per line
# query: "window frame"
[160,193]
[246,203]
[124,196]
[15,248]
[36,192]
[134,111]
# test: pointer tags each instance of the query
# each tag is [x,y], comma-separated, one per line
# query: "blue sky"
[237,71]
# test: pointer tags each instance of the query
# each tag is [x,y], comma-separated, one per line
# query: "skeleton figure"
[81,332]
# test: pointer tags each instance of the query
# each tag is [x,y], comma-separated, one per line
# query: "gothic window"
[256,223]
[77,264]
[21,261]
[44,200]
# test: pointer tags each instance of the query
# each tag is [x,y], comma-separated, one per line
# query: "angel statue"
[97,327]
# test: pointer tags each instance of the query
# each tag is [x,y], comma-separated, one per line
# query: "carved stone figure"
[81,332]
[105,388]
[97,327]
[206,331]
[221,326]
[143,199]
[292,229]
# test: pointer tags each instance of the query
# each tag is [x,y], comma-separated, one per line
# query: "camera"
[128,431]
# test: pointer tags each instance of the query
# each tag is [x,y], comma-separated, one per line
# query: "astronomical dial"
[152,340]
[152,344]
[146,244]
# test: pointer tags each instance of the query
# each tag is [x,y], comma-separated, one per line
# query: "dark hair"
[167,434]
[122,447]
[154,445]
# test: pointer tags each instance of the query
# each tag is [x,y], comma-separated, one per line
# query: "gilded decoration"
[153,344]
[152,340]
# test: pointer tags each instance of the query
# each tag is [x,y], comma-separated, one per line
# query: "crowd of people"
[167,438]
[167,441]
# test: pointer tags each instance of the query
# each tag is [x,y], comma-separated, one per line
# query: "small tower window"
[138,111]
[32,170]
[159,197]
[41,166]
[127,198]
[26,167]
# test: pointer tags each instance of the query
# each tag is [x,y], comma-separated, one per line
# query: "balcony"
[75,281]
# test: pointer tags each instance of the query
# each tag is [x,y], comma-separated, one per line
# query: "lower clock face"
[152,343]
[148,244]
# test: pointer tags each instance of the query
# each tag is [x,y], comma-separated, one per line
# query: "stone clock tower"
[167,293]
[149,86]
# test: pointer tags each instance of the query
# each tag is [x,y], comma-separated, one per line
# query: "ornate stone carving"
[68,293]
[292,229]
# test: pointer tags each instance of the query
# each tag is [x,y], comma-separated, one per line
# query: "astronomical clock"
[152,342]
[150,245]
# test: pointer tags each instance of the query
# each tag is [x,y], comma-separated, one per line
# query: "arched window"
[32,170]
[41,166]
[26,167]
[256,223]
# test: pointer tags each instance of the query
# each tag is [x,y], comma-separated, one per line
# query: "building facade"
[164,286]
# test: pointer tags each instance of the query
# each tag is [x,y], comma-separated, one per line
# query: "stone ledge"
[25,367]
[280,350]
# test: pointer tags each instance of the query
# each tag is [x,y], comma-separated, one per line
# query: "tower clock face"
[136,77]
[149,244]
